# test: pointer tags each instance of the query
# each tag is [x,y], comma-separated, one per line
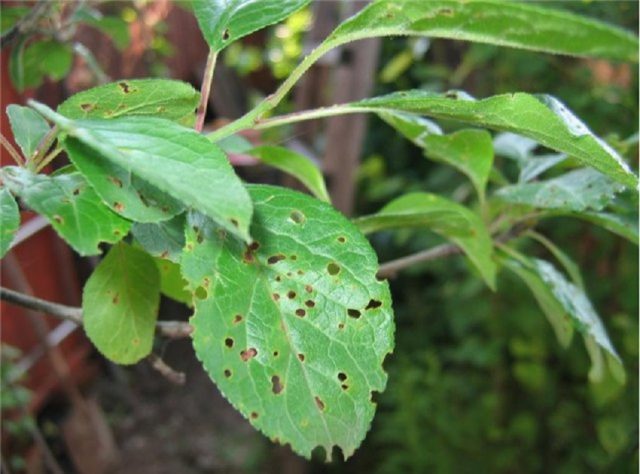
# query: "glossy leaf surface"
[120,304]
[294,327]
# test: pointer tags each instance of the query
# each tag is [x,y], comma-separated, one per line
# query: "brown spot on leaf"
[228,342]
[342,239]
[118,206]
[291,294]
[135,341]
[116,298]
[297,217]
[341,326]
[301,357]
[276,385]
[319,403]
[76,191]
[354,313]
[308,288]
[87,107]
[333,268]
[226,35]
[254,415]
[126,88]
[275,259]
[275,296]
[227,373]
[248,354]
[344,386]
[301,312]
[58,219]
[309,303]
[373,304]
[237,318]
[234,222]
[342,376]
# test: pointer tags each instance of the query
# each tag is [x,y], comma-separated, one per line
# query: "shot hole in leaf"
[228,342]
[301,357]
[309,303]
[373,304]
[276,385]
[227,373]
[248,354]
[353,313]
[297,217]
[275,259]
[291,294]
[333,268]
[301,312]
[237,319]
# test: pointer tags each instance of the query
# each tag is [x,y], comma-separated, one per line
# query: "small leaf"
[39,59]
[10,16]
[161,153]
[542,118]
[9,220]
[164,98]
[497,22]
[469,151]
[71,206]
[172,284]
[28,127]
[162,239]
[120,304]
[295,164]
[294,327]
[450,219]
[224,21]
[577,190]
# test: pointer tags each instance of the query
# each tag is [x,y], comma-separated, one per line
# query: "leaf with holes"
[161,239]
[28,127]
[169,158]
[164,98]
[71,206]
[295,164]
[225,21]
[294,327]
[120,304]
[511,24]
[445,217]
[542,118]
[577,190]
[9,220]
[172,284]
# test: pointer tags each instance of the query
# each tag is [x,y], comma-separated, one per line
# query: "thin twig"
[167,372]
[168,329]
[12,151]
[205,91]
[391,268]
[48,159]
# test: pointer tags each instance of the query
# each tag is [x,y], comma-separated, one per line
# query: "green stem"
[205,91]
[43,147]
[12,151]
[340,109]
[48,159]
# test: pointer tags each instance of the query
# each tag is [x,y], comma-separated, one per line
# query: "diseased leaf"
[172,284]
[9,220]
[450,219]
[224,21]
[296,165]
[120,189]
[469,151]
[28,127]
[577,190]
[542,118]
[294,327]
[160,153]
[162,239]
[120,304]
[71,206]
[164,98]
[512,24]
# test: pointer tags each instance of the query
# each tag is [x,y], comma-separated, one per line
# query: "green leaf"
[28,127]
[164,98]
[9,220]
[512,24]
[624,226]
[114,27]
[577,190]
[10,15]
[124,192]
[162,239]
[295,164]
[175,160]
[71,206]
[40,59]
[294,327]
[224,21]
[552,309]
[411,126]
[172,284]
[443,216]
[542,118]
[120,304]
[469,151]
[567,263]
